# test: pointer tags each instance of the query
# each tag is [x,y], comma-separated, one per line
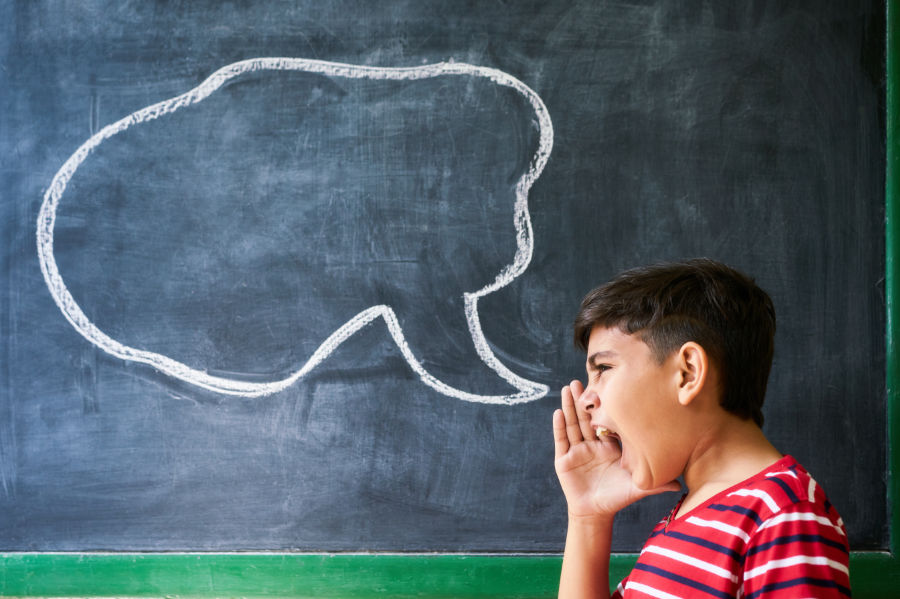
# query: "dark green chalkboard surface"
[299,277]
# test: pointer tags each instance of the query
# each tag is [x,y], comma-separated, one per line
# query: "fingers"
[560,438]
[574,432]
[584,417]
[577,389]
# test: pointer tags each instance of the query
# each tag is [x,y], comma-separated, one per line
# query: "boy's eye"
[599,369]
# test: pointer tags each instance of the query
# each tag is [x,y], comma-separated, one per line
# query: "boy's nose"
[589,400]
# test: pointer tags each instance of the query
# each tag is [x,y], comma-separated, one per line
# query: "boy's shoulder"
[783,485]
[784,492]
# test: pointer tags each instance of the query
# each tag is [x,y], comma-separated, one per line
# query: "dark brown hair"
[699,300]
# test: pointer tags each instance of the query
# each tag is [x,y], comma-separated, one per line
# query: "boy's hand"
[589,469]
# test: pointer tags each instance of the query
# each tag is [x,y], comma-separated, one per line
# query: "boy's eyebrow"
[600,355]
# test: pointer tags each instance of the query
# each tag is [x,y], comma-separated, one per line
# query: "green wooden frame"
[201,575]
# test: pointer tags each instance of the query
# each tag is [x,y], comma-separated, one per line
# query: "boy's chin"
[643,481]
[643,486]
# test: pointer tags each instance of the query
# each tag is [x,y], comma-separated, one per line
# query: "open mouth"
[604,433]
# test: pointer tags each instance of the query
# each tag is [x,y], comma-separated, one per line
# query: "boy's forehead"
[608,341]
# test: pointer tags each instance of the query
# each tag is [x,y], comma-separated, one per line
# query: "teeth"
[602,432]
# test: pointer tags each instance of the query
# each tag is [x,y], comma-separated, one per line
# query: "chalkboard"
[301,276]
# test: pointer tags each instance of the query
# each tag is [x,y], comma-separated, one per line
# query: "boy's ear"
[693,370]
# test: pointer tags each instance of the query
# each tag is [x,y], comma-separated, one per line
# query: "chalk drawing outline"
[527,390]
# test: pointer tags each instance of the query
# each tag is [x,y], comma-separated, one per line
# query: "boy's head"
[666,305]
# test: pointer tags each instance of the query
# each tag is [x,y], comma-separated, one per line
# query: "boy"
[678,357]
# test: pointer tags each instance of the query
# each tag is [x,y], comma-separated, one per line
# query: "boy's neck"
[725,454]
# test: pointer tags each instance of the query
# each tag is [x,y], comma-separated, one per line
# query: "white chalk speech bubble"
[526,390]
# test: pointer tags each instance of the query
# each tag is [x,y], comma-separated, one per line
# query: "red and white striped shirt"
[773,535]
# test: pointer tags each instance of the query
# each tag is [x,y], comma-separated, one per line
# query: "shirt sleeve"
[799,552]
